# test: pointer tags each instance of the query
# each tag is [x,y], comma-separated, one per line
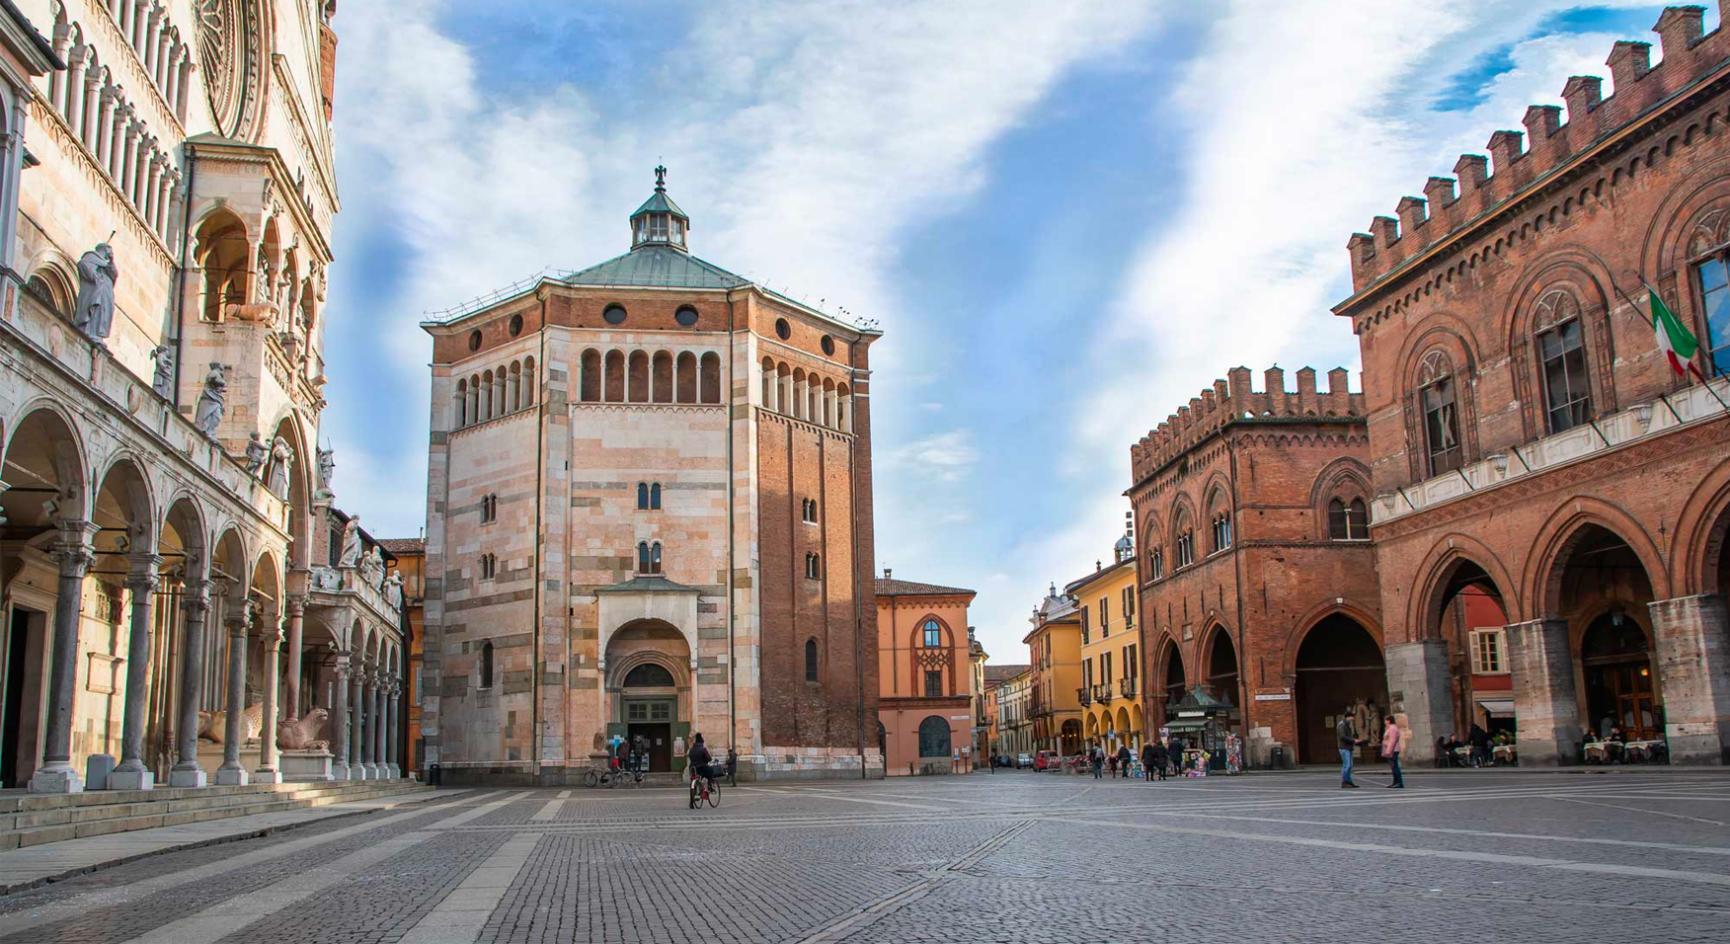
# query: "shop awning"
[1497,707]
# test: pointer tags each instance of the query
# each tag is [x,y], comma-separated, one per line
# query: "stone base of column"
[1694,663]
[340,771]
[231,776]
[392,772]
[56,778]
[1420,685]
[123,779]
[187,777]
[1544,701]
[267,775]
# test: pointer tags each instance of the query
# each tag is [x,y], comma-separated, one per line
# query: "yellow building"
[1014,728]
[1109,690]
[1054,648]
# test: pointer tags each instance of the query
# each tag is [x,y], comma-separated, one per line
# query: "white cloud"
[944,457]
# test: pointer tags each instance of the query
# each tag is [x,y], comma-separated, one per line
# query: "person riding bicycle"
[699,758]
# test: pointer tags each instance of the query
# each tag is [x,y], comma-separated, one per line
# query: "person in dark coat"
[1154,759]
[1125,760]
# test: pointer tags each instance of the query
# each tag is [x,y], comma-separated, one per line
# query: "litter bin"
[432,775]
[1277,759]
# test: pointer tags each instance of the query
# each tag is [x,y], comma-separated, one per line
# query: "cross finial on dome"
[660,178]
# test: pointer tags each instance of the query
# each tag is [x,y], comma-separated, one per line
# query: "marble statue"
[255,453]
[303,734]
[326,470]
[281,463]
[94,313]
[393,590]
[372,568]
[163,380]
[350,543]
[211,401]
[212,725]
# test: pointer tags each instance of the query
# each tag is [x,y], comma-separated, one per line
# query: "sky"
[1068,218]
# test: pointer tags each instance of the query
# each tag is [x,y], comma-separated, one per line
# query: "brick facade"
[1587,492]
[1247,479]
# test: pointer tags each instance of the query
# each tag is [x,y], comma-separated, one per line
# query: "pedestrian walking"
[1348,737]
[1392,740]
[1096,759]
[1111,765]
[1174,755]
[1125,760]
[1153,758]
[732,767]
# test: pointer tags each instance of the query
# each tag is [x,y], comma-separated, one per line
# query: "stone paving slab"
[34,865]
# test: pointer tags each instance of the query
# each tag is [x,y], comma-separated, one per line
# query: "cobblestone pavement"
[1483,856]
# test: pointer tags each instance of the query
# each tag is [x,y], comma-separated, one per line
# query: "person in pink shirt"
[1393,738]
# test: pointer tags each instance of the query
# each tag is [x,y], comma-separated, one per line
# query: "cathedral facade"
[649,517]
[175,583]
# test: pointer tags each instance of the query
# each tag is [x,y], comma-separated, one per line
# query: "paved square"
[1488,856]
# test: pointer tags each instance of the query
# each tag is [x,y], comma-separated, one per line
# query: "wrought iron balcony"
[1084,696]
[1127,686]
[1102,693]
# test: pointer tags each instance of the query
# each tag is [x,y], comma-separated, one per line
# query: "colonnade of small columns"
[495,392]
[792,391]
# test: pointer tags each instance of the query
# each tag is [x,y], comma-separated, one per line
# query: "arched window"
[649,675]
[811,660]
[931,634]
[639,383]
[686,376]
[1441,414]
[1562,362]
[1184,542]
[1714,276]
[223,253]
[648,557]
[462,413]
[615,377]
[486,680]
[1221,531]
[590,386]
[1348,521]
[663,377]
[1155,564]
[934,737]
[530,381]
[642,496]
[709,383]
[655,496]
[813,567]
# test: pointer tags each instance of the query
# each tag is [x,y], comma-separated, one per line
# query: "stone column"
[393,747]
[357,723]
[271,638]
[1420,685]
[291,685]
[339,719]
[195,601]
[232,773]
[104,145]
[74,554]
[132,774]
[74,111]
[92,108]
[375,759]
[1694,673]
[1546,708]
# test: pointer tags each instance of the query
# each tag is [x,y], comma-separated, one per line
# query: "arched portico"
[1339,670]
[649,692]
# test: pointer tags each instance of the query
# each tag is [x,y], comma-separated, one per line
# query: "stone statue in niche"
[94,313]
[211,401]
[163,379]
[393,590]
[326,470]
[350,543]
[256,453]
[281,463]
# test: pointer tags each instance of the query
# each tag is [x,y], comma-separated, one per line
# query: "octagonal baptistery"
[649,497]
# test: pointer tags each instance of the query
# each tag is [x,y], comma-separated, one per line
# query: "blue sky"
[1068,218]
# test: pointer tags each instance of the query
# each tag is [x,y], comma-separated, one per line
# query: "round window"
[516,325]
[614,314]
[686,315]
[474,340]
[828,345]
[783,330]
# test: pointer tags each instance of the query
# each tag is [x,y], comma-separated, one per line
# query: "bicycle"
[704,789]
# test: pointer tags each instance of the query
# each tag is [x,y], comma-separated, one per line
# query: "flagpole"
[1704,380]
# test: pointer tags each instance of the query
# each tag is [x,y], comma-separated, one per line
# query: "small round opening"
[474,340]
[614,314]
[516,325]
[828,345]
[686,315]
[783,330]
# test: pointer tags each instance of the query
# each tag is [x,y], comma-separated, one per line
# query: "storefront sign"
[1275,696]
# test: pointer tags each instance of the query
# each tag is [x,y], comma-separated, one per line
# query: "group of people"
[1158,760]
[1395,738]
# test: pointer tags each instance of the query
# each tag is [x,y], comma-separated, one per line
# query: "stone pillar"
[375,759]
[132,774]
[105,126]
[339,719]
[291,684]
[74,554]
[231,773]
[1420,685]
[195,600]
[74,111]
[1693,646]
[1546,707]
[357,723]
[392,739]
[271,639]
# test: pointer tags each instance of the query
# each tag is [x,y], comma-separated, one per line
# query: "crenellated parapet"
[1518,158]
[1234,399]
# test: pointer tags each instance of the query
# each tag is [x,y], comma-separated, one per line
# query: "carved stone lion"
[302,734]
[213,725]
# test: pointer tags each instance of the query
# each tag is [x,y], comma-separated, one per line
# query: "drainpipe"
[180,294]
[732,660]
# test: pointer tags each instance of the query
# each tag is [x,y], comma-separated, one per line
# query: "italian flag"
[1674,338]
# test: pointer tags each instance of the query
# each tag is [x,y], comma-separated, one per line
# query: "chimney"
[887,573]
